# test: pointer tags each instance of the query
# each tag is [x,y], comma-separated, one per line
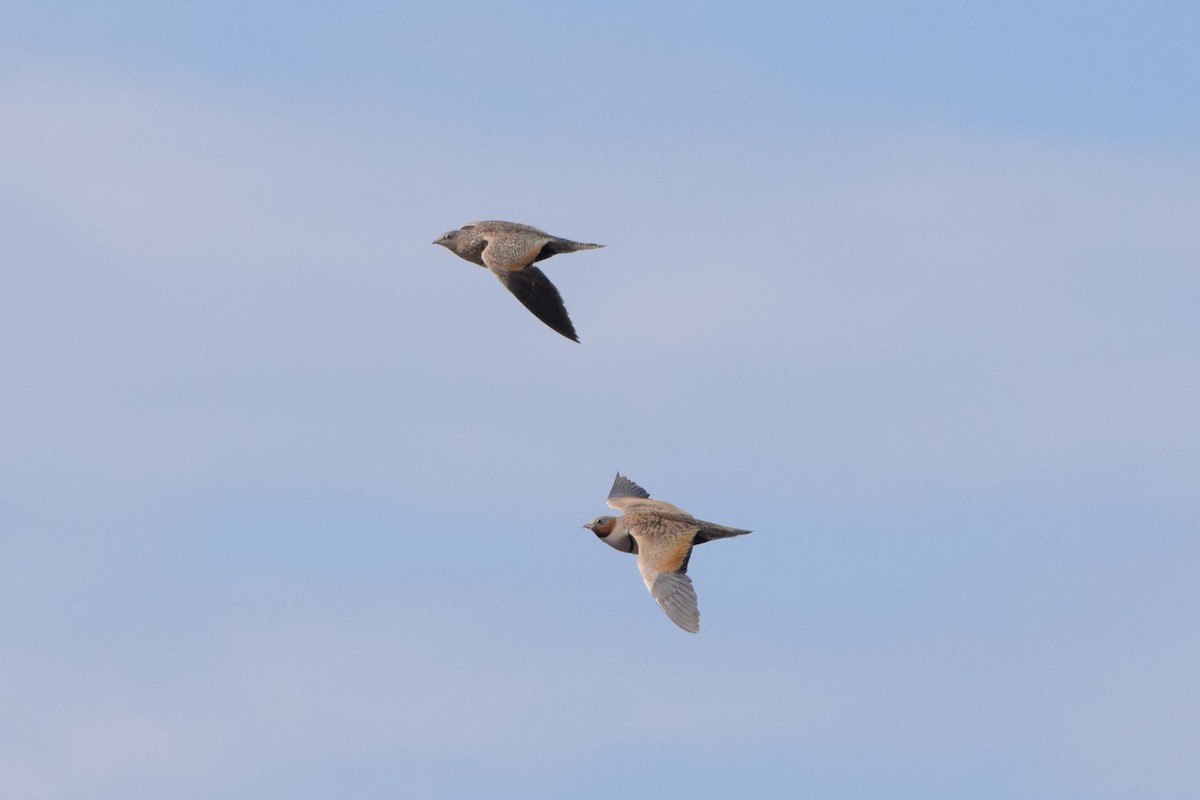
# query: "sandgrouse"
[509,249]
[662,537]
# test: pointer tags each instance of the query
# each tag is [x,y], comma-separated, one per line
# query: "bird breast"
[620,539]
[470,246]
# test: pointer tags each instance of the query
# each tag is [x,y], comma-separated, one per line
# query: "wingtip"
[562,327]
[624,487]
[677,598]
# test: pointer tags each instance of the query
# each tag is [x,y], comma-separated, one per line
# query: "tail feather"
[556,246]
[710,530]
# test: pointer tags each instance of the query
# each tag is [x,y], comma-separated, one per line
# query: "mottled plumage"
[662,536]
[509,249]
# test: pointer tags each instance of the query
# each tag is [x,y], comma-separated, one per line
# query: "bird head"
[602,526]
[447,239]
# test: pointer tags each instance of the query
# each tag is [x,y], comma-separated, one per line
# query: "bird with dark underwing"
[510,250]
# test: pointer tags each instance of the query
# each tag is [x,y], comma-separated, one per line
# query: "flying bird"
[662,537]
[509,249]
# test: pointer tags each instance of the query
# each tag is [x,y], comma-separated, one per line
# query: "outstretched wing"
[676,597]
[535,291]
[627,496]
[663,563]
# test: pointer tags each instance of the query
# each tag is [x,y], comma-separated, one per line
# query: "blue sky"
[290,498]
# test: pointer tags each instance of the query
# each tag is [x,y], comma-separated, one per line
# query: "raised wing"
[627,496]
[623,488]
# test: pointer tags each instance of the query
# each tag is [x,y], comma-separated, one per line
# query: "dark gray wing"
[535,291]
[623,487]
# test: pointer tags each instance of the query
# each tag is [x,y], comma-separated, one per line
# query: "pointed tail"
[566,246]
[557,246]
[711,530]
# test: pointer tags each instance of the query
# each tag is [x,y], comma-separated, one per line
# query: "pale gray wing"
[537,293]
[663,561]
[676,597]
